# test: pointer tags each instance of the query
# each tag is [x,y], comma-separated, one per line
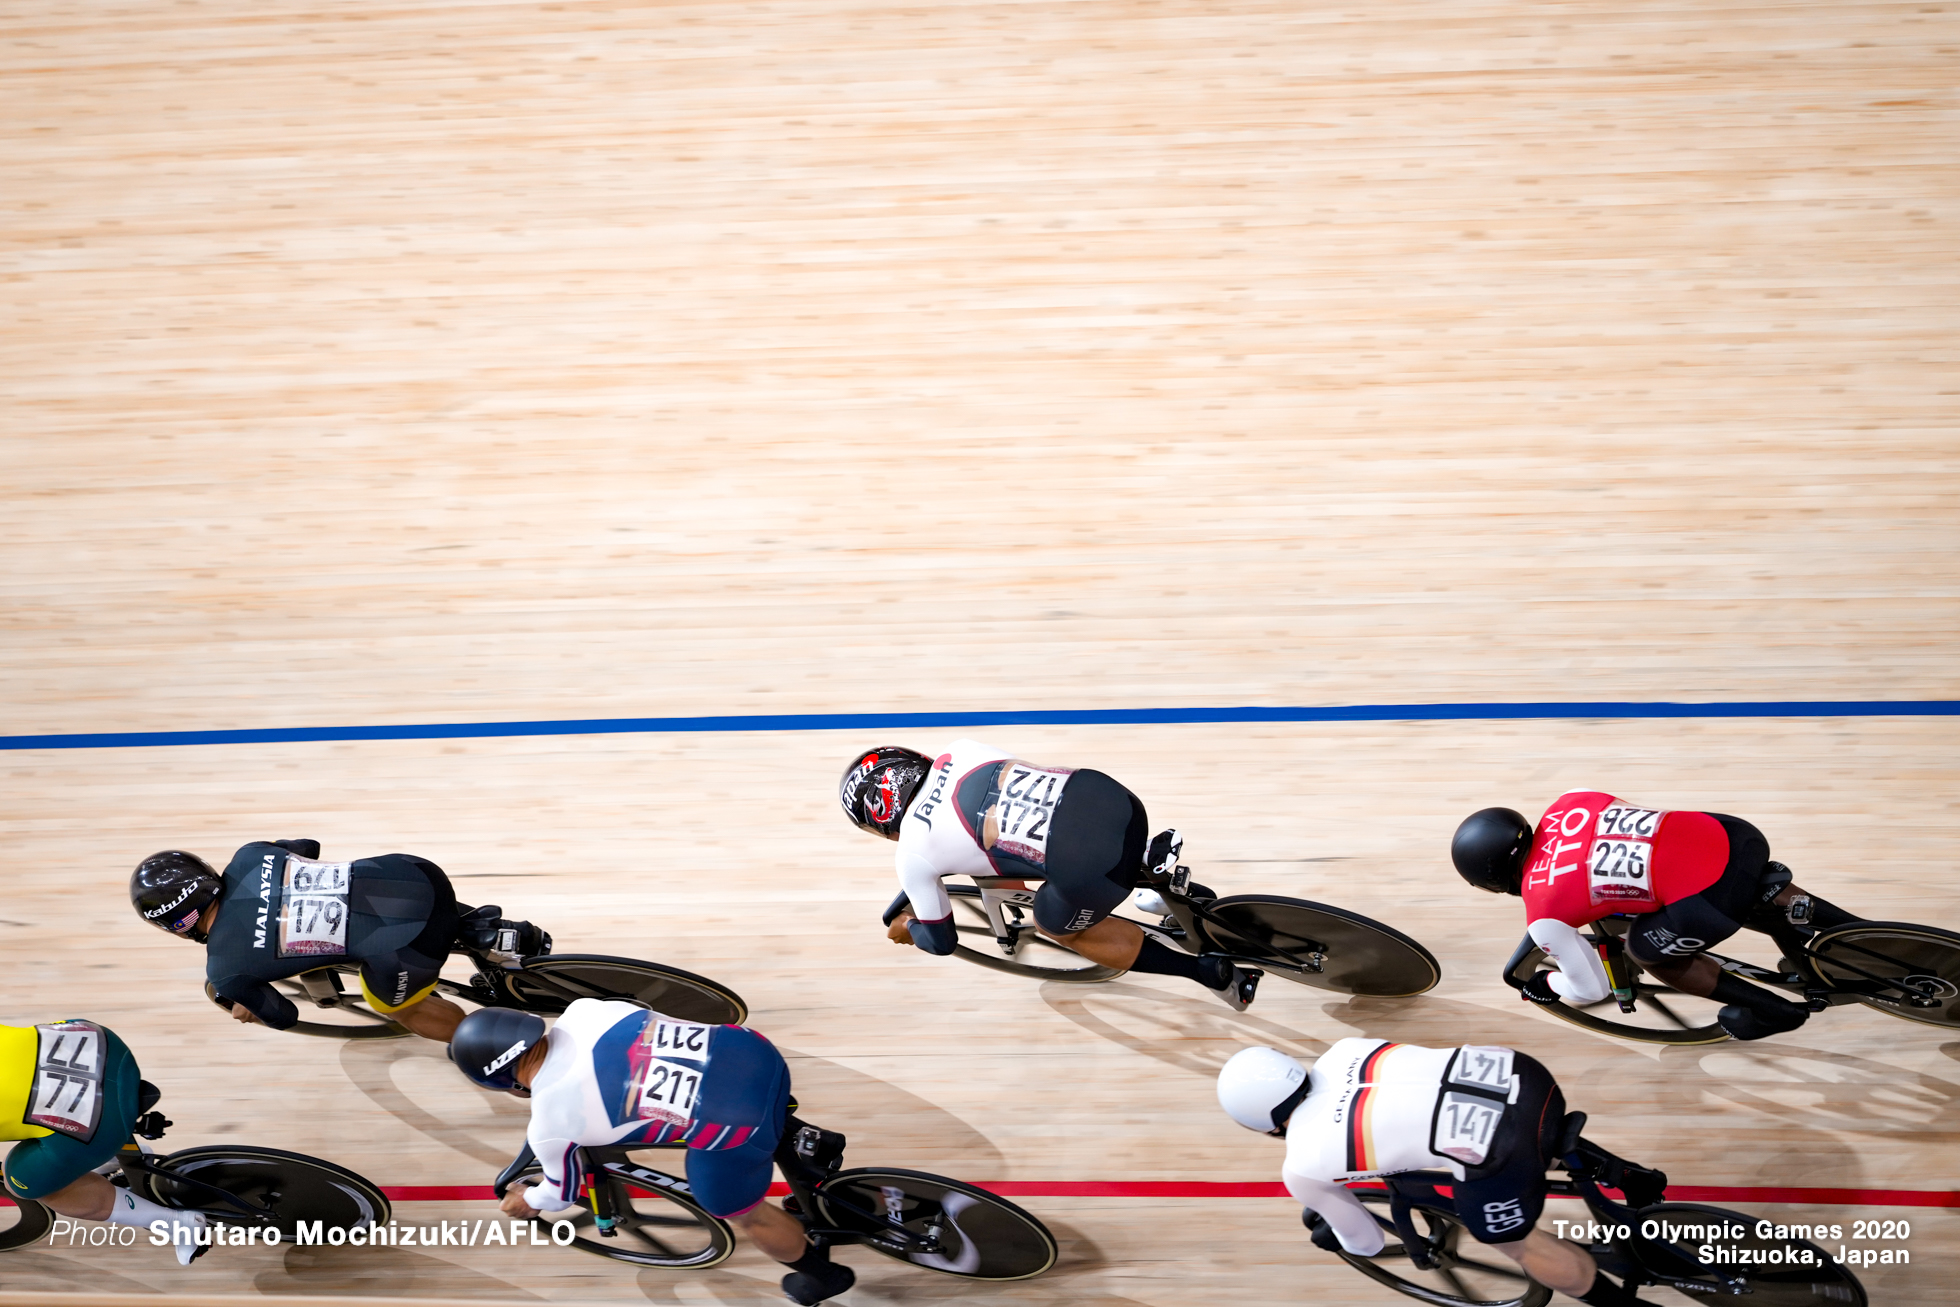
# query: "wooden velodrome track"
[488,362]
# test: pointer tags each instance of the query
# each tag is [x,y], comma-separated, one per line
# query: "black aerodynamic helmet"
[488,1042]
[1490,849]
[878,784]
[171,889]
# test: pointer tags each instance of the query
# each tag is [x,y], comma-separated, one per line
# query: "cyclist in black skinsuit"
[278,911]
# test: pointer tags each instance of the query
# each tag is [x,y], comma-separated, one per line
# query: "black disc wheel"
[1466,1274]
[1777,1272]
[295,1187]
[949,1227]
[22,1221]
[1035,955]
[1906,970]
[1660,1015]
[658,1223]
[331,1007]
[1326,947]
[547,985]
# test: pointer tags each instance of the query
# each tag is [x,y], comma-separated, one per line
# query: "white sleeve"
[1580,977]
[930,901]
[544,1197]
[555,1157]
[1358,1231]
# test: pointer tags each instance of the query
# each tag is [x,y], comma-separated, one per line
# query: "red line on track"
[1680,1193]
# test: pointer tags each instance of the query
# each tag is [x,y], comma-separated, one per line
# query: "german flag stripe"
[1361,1153]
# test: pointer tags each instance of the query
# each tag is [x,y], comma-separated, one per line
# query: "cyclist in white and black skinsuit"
[979,811]
[1490,1116]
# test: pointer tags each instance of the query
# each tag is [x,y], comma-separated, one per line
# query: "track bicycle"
[1432,1257]
[229,1184]
[1906,970]
[636,1213]
[1309,943]
[545,983]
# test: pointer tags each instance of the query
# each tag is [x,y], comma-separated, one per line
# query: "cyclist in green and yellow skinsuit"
[70,1093]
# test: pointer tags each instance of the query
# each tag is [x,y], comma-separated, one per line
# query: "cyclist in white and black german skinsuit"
[278,911]
[979,811]
[1491,1116]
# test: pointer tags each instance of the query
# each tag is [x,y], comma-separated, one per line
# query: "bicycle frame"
[1198,930]
[1817,989]
[1634,1258]
[254,1213]
[1196,922]
[488,987]
[793,1157]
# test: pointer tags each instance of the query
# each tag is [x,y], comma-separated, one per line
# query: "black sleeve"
[263,1001]
[935,937]
[308,849]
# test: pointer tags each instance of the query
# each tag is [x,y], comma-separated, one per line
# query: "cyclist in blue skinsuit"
[612,1073]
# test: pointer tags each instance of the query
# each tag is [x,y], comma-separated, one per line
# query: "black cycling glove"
[1539,989]
[1317,1228]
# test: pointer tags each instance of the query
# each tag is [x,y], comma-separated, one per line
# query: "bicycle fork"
[598,1195]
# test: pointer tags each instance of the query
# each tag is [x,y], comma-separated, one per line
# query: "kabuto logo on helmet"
[158,912]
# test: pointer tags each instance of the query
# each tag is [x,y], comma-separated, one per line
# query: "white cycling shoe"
[190,1252]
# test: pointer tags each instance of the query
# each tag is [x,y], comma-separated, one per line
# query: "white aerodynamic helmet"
[1260,1087]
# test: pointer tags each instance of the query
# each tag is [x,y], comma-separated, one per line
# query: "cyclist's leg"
[400,982]
[1669,943]
[1087,927]
[1095,850]
[401,986]
[1501,1200]
[747,1094]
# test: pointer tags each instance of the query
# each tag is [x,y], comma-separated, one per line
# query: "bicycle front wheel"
[1777,1272]
[1037,956]
[1915,970]
[22,1221]
[1660,1015]
[659,1223]
[1326,947]
[297,1188]
[1466,1273]
[549,984]
[971,1232]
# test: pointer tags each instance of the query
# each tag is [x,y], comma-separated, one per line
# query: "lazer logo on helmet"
[504,1058]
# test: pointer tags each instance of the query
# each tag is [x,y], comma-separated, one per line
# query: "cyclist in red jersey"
[1689,880]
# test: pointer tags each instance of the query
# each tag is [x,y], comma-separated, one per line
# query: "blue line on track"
[895,721]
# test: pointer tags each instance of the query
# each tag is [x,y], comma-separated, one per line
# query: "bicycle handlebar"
[1511,967]
[510,1173]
